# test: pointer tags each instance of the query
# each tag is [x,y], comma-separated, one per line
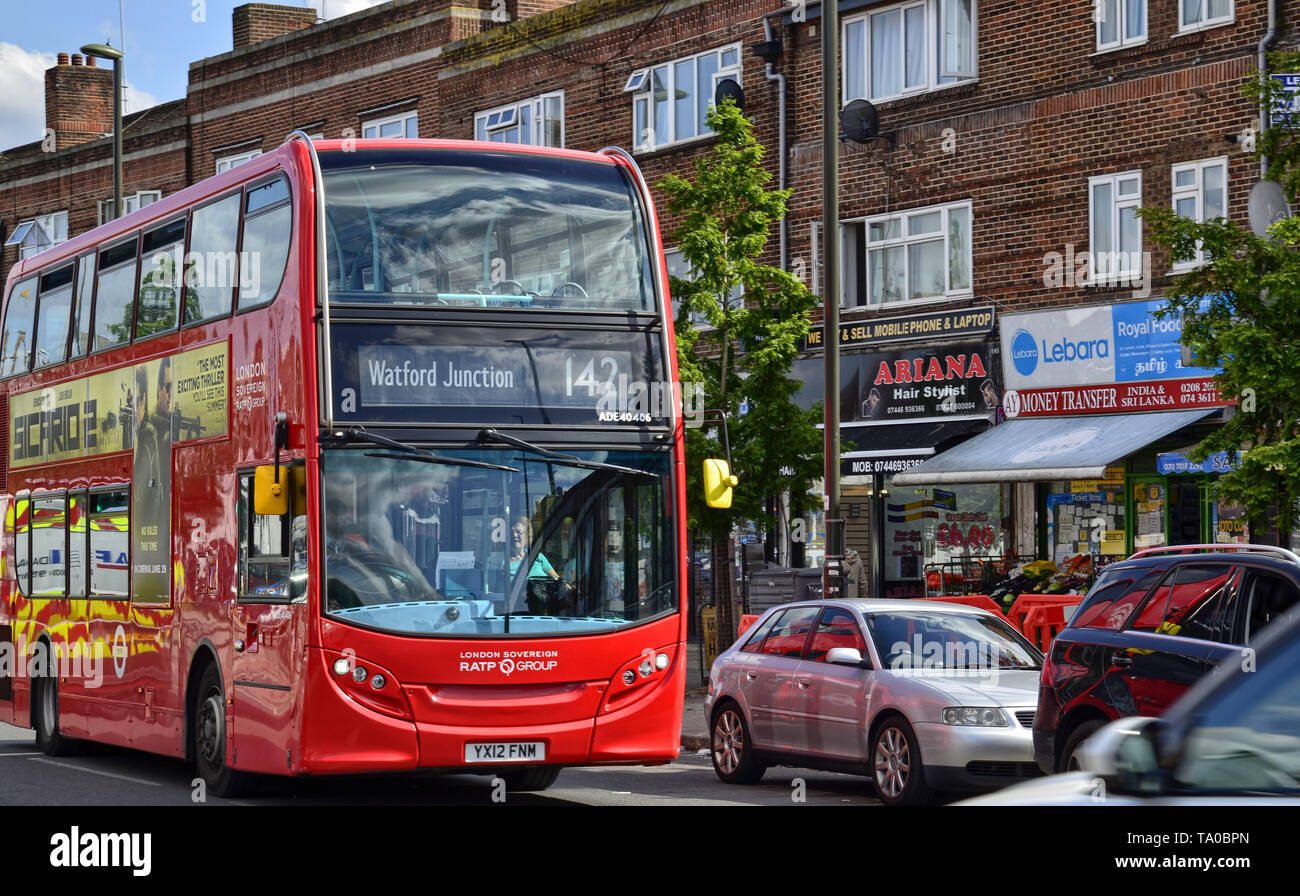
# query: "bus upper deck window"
[19,320]
[85,292]
[114,296]
[52,317]
[264,251]
[158,300]
[212,263]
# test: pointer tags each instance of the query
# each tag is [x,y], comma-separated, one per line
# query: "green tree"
[1239,312]
[746,353]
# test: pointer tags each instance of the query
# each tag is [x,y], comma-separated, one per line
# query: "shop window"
[1078,508]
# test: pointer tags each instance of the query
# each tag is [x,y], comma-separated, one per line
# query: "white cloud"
[22,94]
[333,9]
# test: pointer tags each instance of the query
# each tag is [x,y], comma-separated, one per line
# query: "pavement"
[695,725]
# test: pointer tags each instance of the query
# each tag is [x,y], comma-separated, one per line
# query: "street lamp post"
[832,568]
[104,51]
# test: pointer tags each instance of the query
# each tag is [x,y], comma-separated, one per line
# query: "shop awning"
[1043,448]
[888,448]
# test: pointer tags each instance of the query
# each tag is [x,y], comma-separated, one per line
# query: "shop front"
[1100,412]
[910,389]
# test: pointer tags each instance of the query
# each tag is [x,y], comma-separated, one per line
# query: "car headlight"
[978,716]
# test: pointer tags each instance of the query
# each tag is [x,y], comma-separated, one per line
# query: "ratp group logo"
[1024,352]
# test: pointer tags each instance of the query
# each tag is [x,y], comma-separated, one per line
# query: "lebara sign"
[1104,344]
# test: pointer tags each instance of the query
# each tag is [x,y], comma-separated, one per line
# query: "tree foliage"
[1240,311]
[756,317]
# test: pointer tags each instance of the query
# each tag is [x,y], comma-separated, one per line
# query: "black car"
[1152,626]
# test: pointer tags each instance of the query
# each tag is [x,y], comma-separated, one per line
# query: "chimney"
[253,23]
[78,101]
[77,59]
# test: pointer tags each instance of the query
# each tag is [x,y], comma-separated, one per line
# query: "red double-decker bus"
[358,457]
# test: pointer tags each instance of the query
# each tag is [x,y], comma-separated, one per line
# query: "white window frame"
[53,227]
[855,236]
[134,202]
[1200,22]
[938,76]
[1104,276]
[1100,13]
[1196,192]
[499,124]
[410,121]
[225,163]
[641,85]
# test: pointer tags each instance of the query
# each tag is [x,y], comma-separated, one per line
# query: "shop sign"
[1173,463]
[887,465]
[965,323]
[1099,345]
[1119,398]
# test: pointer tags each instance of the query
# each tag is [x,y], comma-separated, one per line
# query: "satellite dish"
[1267,206]
[860,121]
[728,89]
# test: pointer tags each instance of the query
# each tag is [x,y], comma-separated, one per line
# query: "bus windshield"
[483,230]
[415,545]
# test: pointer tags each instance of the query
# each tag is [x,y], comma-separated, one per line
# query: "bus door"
[269,618]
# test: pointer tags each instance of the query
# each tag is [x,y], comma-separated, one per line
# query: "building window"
[405,125]
[909,48]
[1196,14]
[225,163]
[917,255]
[1120,23]
[134,202]
[538,121]
[670,101]
[1114,229]
[39,233]
[1200,193]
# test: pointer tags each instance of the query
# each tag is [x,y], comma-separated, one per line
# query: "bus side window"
[110,542]
[85,294]
[114,297]
[78,545]
[268,222]
[272,549]
[158,300]
[20,518]
[49,546]
[52,317]
[20,318]
[212,268]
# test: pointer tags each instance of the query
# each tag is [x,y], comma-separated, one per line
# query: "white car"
[921,696]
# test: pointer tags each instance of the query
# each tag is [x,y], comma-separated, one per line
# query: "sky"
[162,38]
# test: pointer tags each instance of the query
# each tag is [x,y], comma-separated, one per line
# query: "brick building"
[1012,136]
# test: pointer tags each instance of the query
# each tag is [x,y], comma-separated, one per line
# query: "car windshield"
[484,229]
[921,639]
[417,545]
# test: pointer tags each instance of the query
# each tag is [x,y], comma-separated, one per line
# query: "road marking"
[3,755]
[91,771]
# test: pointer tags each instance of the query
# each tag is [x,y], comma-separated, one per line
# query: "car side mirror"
[1125,755]
[846,656]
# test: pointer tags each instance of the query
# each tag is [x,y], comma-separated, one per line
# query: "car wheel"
[538,777]
[45,718]
[210,740]
[896,765]
[1069,761]
[733,748]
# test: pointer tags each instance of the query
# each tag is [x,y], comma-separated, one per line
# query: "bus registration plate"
[532,751]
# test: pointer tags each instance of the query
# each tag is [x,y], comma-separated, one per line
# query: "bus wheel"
[539,777]
[210,740]
[45,718]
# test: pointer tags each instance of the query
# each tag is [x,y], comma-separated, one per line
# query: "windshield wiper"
[359,434]
[567,460]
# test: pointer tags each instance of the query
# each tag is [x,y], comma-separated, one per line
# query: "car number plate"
[529,751]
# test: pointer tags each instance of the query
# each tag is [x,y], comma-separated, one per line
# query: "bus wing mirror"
[271,498]
[718,483]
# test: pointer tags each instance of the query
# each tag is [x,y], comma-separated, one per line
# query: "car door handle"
[1121,660]
[750,676]
[804,684]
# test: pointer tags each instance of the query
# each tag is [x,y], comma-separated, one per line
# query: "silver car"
[921,696]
